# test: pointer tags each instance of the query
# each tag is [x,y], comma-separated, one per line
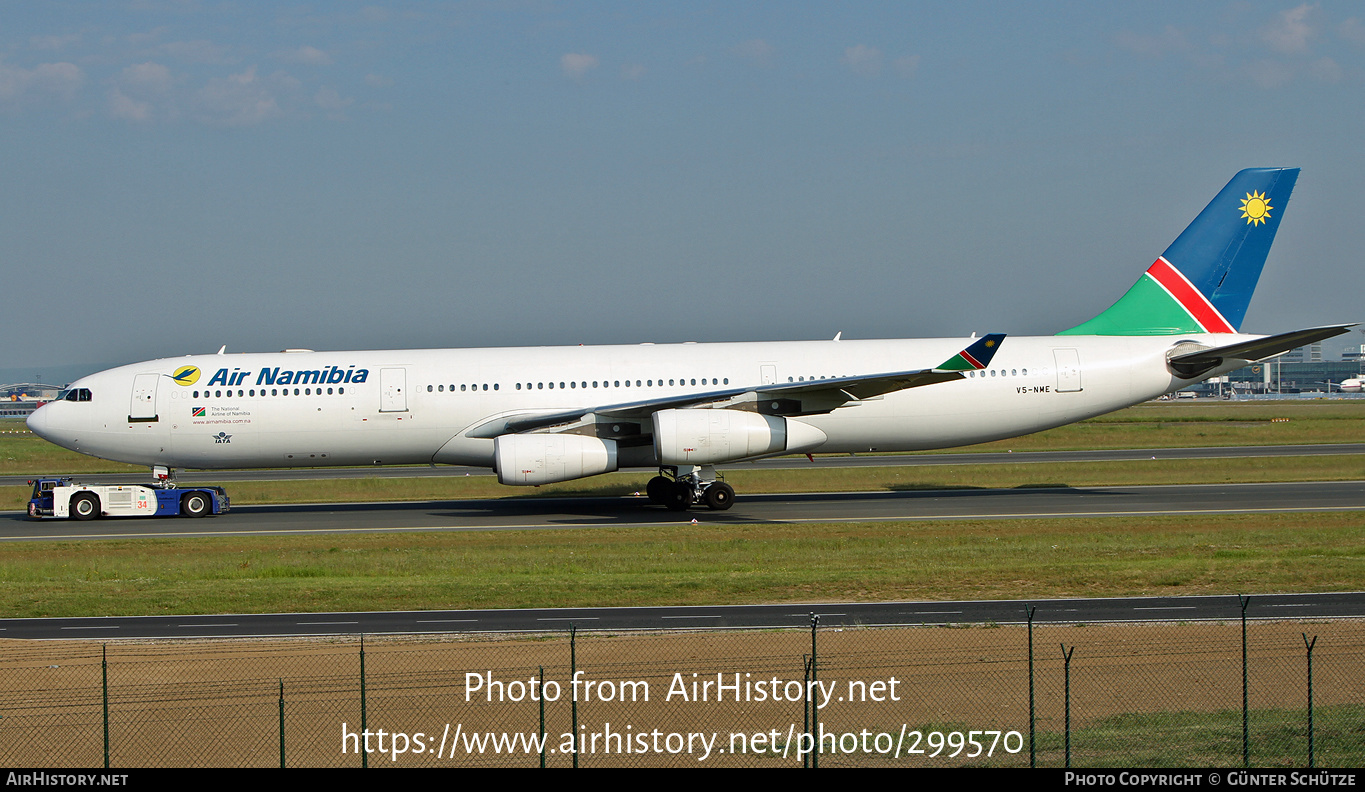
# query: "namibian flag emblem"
[197,412]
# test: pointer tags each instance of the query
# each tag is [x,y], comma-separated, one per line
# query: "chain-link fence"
[1131,694]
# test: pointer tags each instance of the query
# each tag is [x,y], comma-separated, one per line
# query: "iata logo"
[186,375]
[222,437]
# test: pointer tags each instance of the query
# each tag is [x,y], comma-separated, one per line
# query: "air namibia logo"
[186,375]
[1255,209]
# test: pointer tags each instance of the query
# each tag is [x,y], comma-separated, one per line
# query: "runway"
[630,512]
[796,615]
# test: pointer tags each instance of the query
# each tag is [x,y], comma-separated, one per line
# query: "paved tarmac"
[569,513]
[1124,609]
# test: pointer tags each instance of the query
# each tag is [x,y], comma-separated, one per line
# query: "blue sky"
[184,175]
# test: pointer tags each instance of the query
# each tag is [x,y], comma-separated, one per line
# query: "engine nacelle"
[705,437]
[529,459]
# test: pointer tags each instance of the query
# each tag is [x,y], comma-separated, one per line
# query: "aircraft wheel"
[657,489]
[85,506]
[195,504]
[679,497]
[719,496]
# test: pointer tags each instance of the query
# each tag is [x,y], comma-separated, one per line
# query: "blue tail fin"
[1204,281]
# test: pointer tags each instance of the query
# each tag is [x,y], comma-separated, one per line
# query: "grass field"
[687,564]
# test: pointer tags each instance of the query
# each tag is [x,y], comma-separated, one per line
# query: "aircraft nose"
[37,421]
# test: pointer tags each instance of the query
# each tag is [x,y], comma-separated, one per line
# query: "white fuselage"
[421,406]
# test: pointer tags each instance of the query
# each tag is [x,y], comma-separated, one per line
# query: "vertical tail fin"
[1204,280]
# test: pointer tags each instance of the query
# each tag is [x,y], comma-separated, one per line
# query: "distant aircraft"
[538,415]
[1352,385]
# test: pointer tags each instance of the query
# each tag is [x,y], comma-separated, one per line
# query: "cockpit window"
[75,394]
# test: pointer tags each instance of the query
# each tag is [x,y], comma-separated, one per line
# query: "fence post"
[1066,658]
[1029,610]
[814,676]
[104,697]
[805,706]
[281,723]
[542,717]
[1310,644]
[573,701]
[364,754]
[1246,735]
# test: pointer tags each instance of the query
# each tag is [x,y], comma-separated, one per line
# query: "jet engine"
[529,459]
[708,436]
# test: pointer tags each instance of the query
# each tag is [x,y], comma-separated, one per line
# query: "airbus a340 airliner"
[544,414]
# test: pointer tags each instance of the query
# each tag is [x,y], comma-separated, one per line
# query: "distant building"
[1355,355]
[1280,375]
[1304,354]
[22,398]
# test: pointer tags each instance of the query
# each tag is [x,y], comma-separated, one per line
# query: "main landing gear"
[680,487]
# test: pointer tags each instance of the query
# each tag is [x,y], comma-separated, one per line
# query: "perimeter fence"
[1268,693]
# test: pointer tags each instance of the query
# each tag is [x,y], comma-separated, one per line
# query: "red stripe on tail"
[1190,298]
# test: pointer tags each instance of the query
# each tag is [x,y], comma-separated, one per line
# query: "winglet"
[975,357]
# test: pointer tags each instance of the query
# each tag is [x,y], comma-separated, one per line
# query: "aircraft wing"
[1192,364]
[811,397]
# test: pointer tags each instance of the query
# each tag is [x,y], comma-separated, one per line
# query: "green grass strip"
[687,564]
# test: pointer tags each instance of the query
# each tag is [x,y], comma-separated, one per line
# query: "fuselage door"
[393,390]
[143,407]
[1068,370]
[767,373]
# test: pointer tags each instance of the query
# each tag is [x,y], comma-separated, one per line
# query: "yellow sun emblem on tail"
[1255,209]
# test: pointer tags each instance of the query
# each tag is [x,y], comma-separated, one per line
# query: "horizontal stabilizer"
[1193,364]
